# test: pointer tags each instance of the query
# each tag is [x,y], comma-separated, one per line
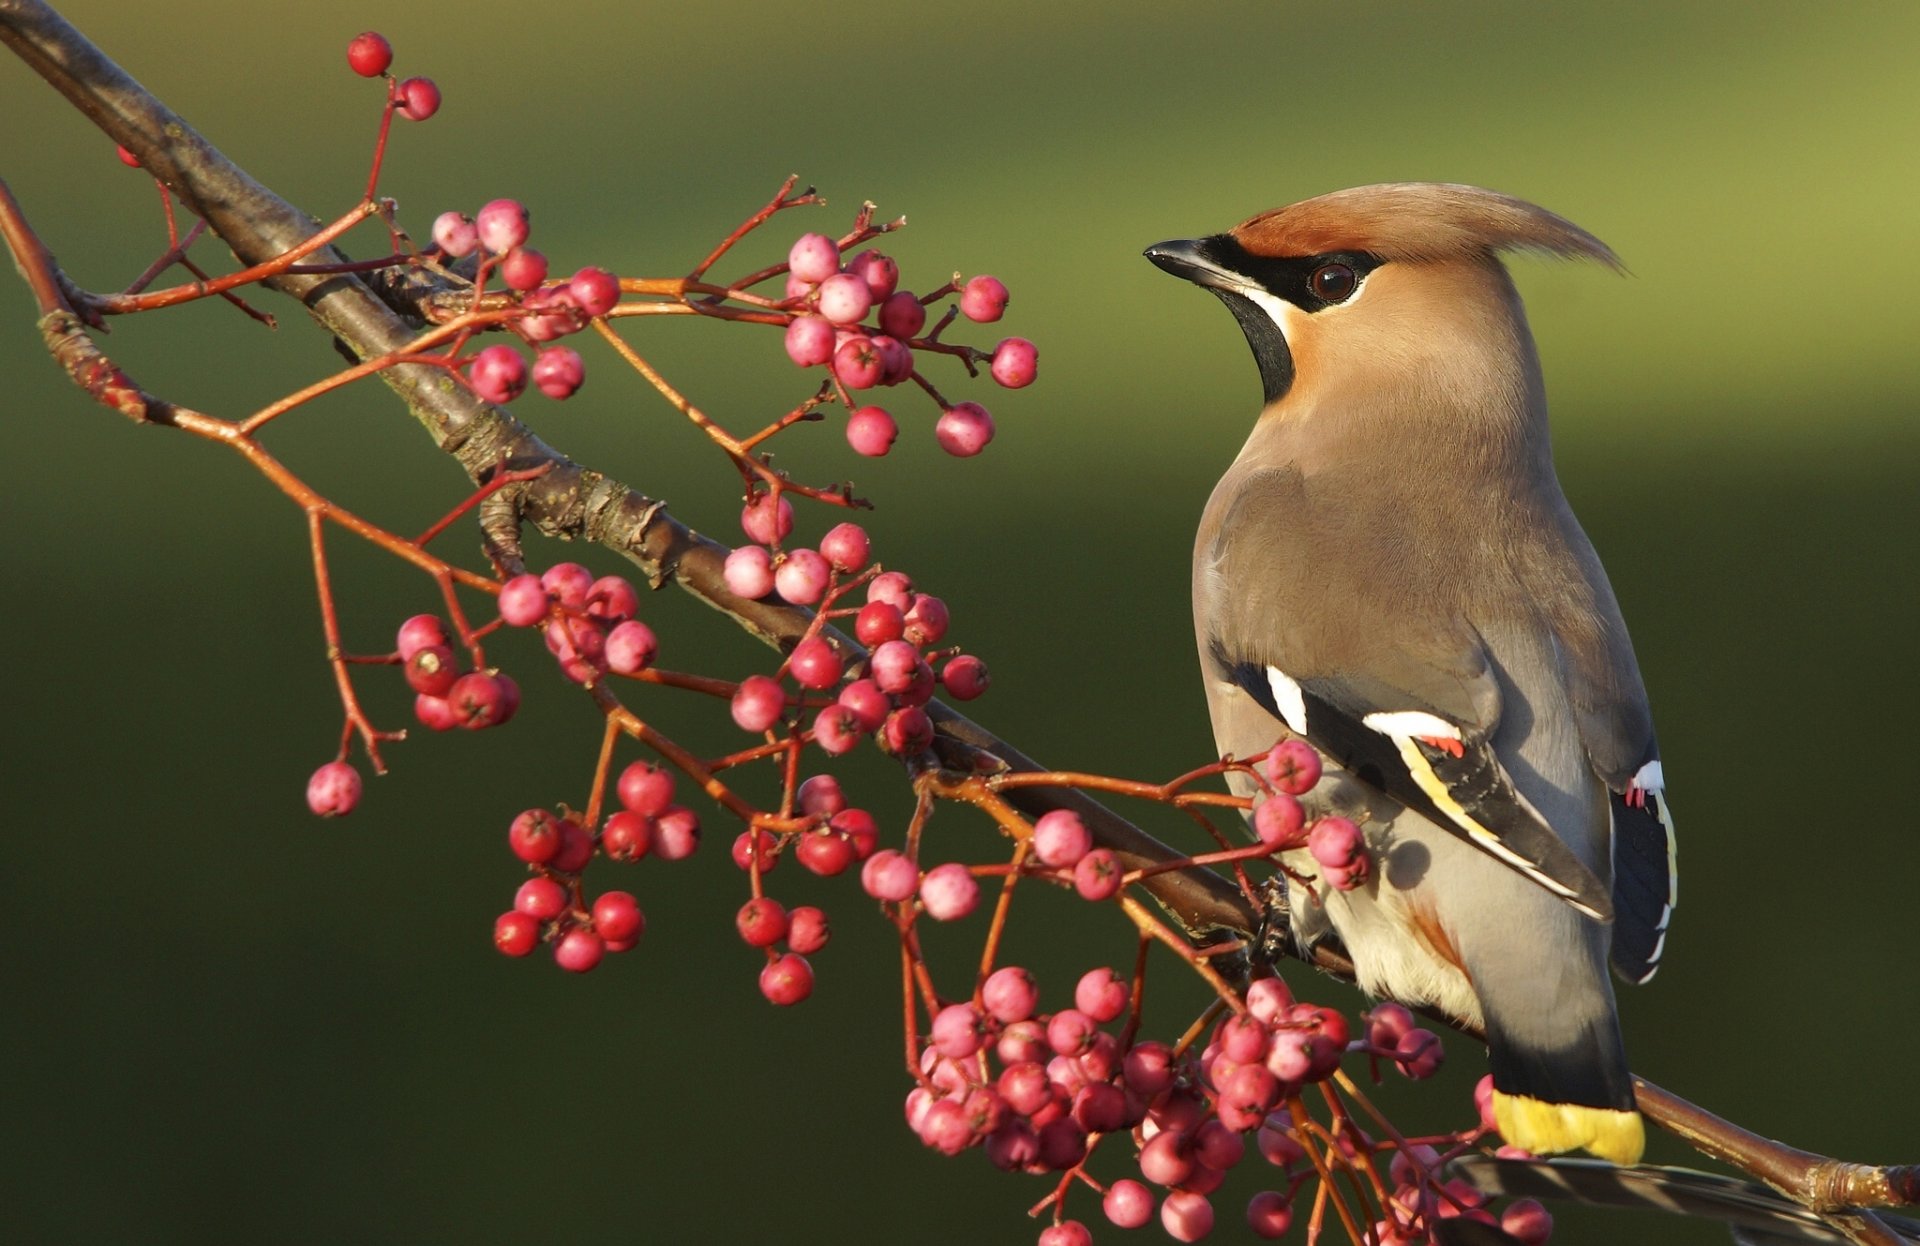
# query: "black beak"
[1191,258]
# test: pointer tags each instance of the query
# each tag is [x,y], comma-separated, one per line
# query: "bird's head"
[1392,284]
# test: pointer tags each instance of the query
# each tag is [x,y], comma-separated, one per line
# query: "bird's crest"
[1418,221]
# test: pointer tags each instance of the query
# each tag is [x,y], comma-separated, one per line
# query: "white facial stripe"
[1411,722]
[1285,316]
[1287,695]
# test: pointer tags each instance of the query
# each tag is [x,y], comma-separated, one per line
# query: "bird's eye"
[1333,283]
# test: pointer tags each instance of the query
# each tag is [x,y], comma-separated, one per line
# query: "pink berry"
[823,853]
[908,732]
[1278,820]
[1387,1024]
[810,341]
[645,788]
[576,848]
[617,917]
[893,664]
[419,99]
[893,587]
[568,583]
[676,833]
[1167,1158]
[481,700]
[334,789]
[1066,1233]
[845,299]
[964,677]
[1335,842]
[949,892]
[630,647]
[552,312]
[758,703]
[820,795]
[417,633]
[983,300]
[807,930]
[1014,363]
[902,317]
[627,836]
[869,706]
[767,519]
[1097,876]
[1009,994]
[896,359]
[540,898]
[815,664]
[1070,1032]
[432,670]
[1294,767]
[1218,1147]
[523,269]
[888,875]
[612,598]
[845,547]
[1128,1203]
[802,576]
[879,272]
[814,258]
[1527,1220]
[596,290]
[369,54]
[787,981]
[762,922]
[1268,999]
[1187,1216]
[1148,1068]
[957,1031]
[858,364]
[964,429]
[871,431]
[1269,1214]
[749,572]
[579,950]
[1061,839]
[836,729]
[1101,993]
[1278,1146]
[434,713]
[453,232]
[558,371]
[754,847]
[498,373]
[926,620]
[515,933]
[877,623]
[534,836]
[1419,1054]
[503,224]
[523,601]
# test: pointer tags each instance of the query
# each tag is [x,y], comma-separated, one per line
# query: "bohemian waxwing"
[1390,571]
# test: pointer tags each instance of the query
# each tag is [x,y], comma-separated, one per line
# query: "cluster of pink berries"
[550,907]
[1292,768]
[834,300]
[1062,1079]
[369,55]
[901,627]
[588,623]
[499,230]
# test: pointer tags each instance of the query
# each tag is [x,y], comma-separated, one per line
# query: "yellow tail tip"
[1546,1128]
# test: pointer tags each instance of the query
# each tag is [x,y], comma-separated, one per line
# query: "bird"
[1390,571]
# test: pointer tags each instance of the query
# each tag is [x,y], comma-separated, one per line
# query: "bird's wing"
[1405,703]
[1616,727]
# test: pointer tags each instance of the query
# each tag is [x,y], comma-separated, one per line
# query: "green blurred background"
[232,1022]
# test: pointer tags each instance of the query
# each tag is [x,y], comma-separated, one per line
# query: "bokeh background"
[228,1021]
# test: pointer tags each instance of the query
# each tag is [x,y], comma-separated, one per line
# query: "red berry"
[1419,1054]
[1061,839]
[645,788]
[893,587]
[807,930]
[758,703]
[558,371]
[908,732]
[1014,363]
[1148,1068]
[983,300]
[860,829]
[596,290]
[617,917]
[627,836]
[579,950]
[767,519]
[1293,766]
[964,429]
[523,269]
[480,700]
[534,836]
[1387,1024]
[845,299]
[630,647]
[749,844]
[896,359]
[762,922]
[676,833]
[749,572]
[432,670]
[927,620]
[568,583]
[1097,876]
[814,258]
[418,632]
[902,317]
[515,933]
[1101,993]
[893,664]
[419,98]
[334,789]
[889,875]
[502,224]
[1528,1221]
[815,664]
[1066,1233]
[877,623]
[541,898]
[802,577]
[825,853]
[869,706]
[523,601]
[787,980]
[498,373]
[435,713]
[949,892]
[1279,820]
[369,54]
[821,795]
[879,272]
[1269,1214]
[845,547]
[964,677]
[836,730]
[810,341]
[576,848]
[858,364]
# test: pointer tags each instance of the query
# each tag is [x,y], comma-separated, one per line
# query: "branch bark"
[570,501]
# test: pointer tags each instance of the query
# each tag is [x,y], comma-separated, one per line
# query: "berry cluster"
[588,623]
[833,301]
[1291,770]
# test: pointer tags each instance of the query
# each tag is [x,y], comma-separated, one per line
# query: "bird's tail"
[1572,1094]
